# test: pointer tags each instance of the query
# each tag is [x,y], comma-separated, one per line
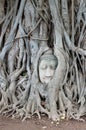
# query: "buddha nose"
[48,72]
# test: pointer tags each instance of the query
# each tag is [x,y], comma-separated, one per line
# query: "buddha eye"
[44,67]
[53,67]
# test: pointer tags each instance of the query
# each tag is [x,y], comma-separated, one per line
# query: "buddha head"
[47,66]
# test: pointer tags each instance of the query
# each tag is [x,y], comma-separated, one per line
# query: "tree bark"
[29,29]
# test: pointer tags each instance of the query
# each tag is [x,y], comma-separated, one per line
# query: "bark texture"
[28,28]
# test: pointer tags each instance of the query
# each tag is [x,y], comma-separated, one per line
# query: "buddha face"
[46,70]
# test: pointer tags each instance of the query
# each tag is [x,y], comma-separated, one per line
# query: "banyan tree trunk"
[29,28]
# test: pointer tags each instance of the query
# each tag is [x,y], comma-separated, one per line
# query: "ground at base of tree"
[43,124]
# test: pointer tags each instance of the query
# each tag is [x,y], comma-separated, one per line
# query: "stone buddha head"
[47,66]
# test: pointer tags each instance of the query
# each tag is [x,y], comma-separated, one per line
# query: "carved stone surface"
[47,66]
